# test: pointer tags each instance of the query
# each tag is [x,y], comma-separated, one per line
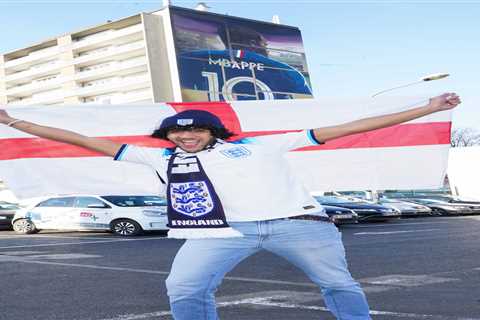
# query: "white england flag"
[406,156]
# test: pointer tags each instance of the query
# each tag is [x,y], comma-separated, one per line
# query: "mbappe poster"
[222,58]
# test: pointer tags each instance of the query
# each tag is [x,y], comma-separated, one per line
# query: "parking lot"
[423,268]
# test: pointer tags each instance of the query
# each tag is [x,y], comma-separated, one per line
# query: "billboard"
[223,58]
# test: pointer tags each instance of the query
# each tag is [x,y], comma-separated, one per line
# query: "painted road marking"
[6,258]
[380,284]
[281,299]
[81,242]
[30,236]
[62,256]
[402,280]
[89,266]
[392,232]
[20,253]
[395,224]
[27,255]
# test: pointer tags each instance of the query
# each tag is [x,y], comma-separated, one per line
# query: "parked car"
[364,195]
[436,196]
[440,207]
[366,211]
[341,215]
[120,214]
[407,209]
[453,199]
[7,211]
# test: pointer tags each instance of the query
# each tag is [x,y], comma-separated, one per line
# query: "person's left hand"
[445,101]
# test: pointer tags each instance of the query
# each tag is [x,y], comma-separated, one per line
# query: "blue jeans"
[313,246]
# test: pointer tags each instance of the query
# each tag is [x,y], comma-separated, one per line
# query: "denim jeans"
[313,246]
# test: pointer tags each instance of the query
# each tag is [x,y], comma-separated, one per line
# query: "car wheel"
[440,212]
[24,226]
[125,227]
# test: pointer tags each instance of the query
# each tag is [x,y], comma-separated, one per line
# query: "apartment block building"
[173,54]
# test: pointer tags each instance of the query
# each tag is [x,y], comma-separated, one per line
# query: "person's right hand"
[4,117]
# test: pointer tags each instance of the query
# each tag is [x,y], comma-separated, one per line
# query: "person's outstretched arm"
[104,146]
[443,102]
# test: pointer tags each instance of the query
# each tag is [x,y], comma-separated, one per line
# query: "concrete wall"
[160,64]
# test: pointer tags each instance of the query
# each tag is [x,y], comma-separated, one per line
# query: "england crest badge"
[191,198]
[236,152]
[184,122]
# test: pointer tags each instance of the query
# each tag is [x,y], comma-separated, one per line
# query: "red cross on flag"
[407,156]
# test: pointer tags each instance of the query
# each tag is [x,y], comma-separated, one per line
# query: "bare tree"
[465,137]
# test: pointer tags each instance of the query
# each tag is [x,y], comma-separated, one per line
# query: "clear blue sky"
[354,48]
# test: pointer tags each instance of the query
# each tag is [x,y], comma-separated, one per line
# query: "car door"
[92,213]
[53,213]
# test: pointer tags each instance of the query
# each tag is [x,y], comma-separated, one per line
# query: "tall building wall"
[173,54]
[104,64]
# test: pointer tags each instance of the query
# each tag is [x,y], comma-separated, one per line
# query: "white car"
[122,215]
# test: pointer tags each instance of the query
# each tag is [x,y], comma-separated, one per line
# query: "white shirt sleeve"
[153,157]
[286,141]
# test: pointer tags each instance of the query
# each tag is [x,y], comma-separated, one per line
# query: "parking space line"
[26,237]
[149,315]
[90,266]
[392,232]
[393,224]
[267,302]
[281,300]
[81,242]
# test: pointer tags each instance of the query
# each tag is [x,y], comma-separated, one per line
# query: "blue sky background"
[354,48]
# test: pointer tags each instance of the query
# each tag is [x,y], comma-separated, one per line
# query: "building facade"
[173,54]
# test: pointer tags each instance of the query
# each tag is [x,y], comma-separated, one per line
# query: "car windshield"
[430,201]
[330,199]
[136,201]
[8,206]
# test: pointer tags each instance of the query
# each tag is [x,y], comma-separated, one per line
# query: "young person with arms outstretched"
[245,186]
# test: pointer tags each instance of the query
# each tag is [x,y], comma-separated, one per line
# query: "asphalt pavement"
[423,268]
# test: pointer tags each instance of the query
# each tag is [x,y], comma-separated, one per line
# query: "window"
[136,201]
[85,202]
[96,66]
[46,78]
[57,202]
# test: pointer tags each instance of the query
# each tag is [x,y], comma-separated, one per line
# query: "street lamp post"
[431,77]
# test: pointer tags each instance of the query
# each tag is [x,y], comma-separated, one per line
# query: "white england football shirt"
[251,177]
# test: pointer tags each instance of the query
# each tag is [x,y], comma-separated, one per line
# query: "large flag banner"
[463,173]
[407,156]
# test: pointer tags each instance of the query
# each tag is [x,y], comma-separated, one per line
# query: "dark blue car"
[341,215]
[366,211]
[7,211]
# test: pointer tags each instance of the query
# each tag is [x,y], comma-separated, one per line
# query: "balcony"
[34,72]
[113,52]
[53,98]
[144,95]
[111,36]
[32,58]
[113,68]
[34,87]
[121,84]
